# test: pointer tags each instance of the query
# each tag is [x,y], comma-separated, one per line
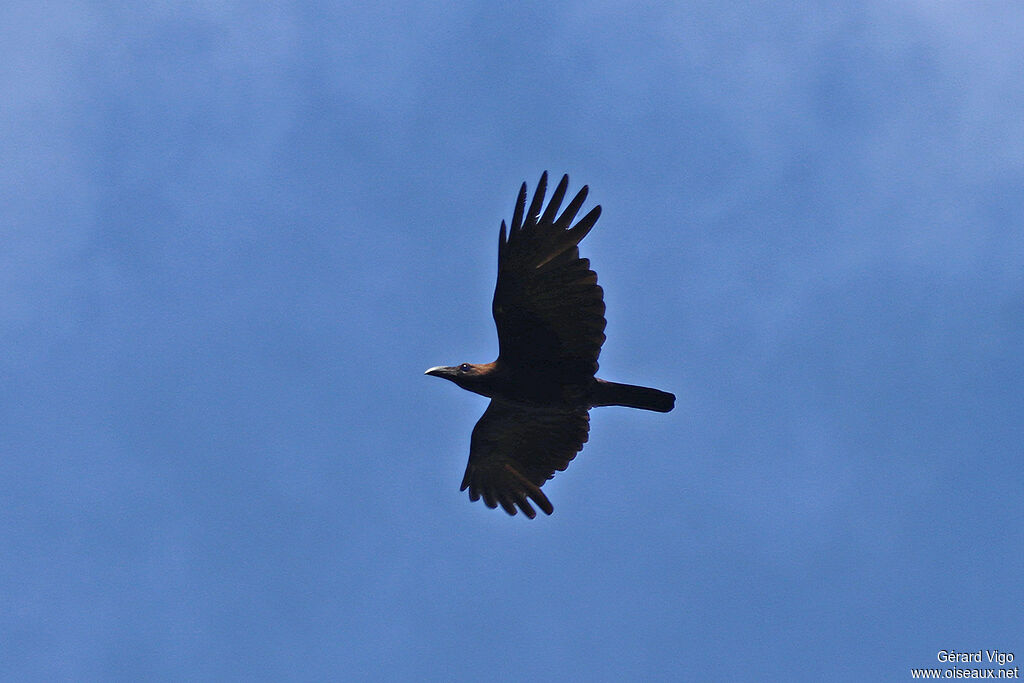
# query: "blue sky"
[235,234]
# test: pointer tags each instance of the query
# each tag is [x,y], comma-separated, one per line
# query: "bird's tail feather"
[630,396]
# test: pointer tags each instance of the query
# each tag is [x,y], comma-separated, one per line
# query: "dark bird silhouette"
[549,311]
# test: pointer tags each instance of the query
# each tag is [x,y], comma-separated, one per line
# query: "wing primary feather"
[538,200]
[580,230]
[570,212]
[542,502]
[517,215]
[502,236]
[556,201]
[508,506]
[524,505]
[570,238]
[532,490]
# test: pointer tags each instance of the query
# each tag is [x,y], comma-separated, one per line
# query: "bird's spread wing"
[547,306]
[514,450]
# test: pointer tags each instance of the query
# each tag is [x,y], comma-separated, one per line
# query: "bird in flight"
[549,311]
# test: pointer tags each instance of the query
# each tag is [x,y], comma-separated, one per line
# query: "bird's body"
[549,311]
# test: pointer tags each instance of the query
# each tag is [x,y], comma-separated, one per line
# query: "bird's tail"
[630,396]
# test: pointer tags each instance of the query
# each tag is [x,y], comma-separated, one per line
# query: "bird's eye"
[464,367]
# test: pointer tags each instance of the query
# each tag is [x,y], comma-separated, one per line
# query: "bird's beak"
[439,371]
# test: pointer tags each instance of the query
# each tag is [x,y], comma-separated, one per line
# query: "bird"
[549,313]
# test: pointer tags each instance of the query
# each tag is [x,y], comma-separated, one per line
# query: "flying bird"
[549,311]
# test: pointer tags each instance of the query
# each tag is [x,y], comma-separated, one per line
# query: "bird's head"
[470,376]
